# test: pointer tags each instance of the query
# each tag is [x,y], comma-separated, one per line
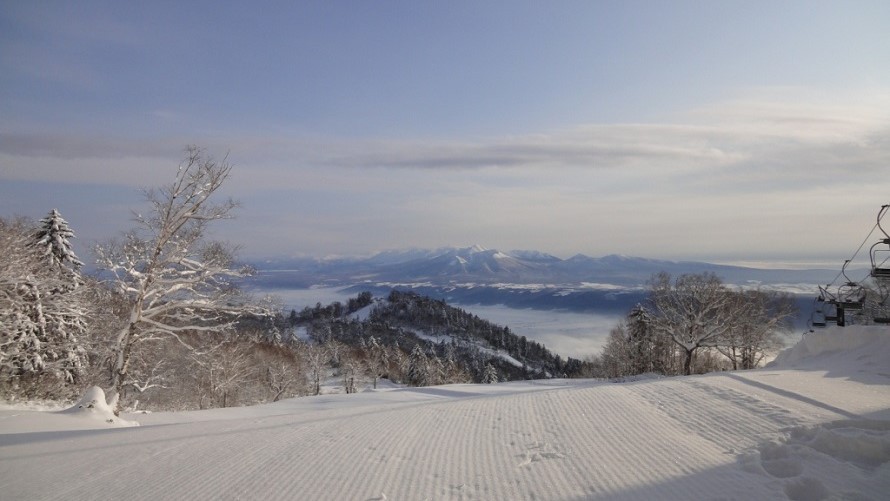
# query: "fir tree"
[41,310]
[418,368]
[490,375]
[53,239]
[64,313]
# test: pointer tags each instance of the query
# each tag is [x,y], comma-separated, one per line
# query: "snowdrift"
[92,408]
[89,413]
[814,425]
[838,347]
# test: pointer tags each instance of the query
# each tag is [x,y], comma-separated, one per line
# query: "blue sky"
[724,131]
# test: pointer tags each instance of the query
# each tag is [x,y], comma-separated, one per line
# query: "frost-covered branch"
[692,311]
[174,281]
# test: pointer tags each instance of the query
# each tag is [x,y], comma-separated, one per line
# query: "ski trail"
[738,423]
[792,395]
[678,438]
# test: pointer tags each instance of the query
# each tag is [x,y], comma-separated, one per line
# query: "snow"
[363,313]
[813,425]
[89,413]
[502,355]
[570,334]
[491,352]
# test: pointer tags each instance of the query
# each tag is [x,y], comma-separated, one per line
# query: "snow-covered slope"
[815,425]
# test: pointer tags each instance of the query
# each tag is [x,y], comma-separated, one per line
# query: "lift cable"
[867,237]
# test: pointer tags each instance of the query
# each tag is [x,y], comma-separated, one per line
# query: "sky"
[731,131]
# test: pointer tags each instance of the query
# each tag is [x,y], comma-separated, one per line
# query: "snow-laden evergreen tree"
[64,310]
[42,313]
[53,239]
[490,375]
[418,368]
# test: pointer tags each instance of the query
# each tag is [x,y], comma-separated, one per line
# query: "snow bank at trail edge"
[838,348]
[844,459]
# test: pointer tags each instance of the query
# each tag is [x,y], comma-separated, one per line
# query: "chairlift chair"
[817,318]
[829,305]
[880,256]
[850,295]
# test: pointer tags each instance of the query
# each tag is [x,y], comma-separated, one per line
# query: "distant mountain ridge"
[479,265]
[611,284]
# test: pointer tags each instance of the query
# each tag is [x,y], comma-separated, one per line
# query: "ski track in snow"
[568,443]
[767,434]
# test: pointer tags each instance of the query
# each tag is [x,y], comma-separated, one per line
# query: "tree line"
[694,323]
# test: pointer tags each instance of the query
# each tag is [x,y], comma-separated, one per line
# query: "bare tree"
[350,367]
[316,358]
[692,311]
[616,357]
[226,368]
[756,318]
[378,359]
[284,377]
[173,280]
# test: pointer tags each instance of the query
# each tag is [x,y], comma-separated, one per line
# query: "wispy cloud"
[741,179]
[797,137]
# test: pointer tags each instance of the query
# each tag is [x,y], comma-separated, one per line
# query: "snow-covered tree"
[64,308]
[378,359]
[316,359]
[616,357]
[174,281]
[283,377]
[757,318]
[42,314]
[692,311]
[53,239]
[350,367]
[490,375]
[225,369]
[418,368]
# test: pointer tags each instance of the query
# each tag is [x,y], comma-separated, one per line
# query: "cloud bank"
[773,173]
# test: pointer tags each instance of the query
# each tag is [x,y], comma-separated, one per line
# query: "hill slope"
[815,425]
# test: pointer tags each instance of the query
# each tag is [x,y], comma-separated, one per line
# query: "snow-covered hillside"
[815,425]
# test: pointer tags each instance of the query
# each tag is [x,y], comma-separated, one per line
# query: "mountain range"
[480,266]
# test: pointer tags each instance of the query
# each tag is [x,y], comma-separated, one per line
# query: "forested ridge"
[412,323]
